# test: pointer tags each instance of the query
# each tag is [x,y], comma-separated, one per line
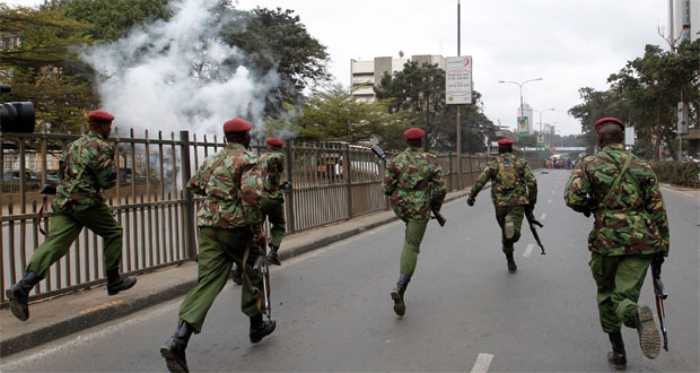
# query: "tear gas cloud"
[177,74]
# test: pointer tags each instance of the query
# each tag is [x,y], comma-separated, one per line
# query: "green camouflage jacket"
[272,166]
[413,182]
[633,220]
[220,180]
[512,181]
[88,169]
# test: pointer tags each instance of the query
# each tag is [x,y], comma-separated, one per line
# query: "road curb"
[116,310]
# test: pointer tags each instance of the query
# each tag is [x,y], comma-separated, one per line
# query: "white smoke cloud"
[169,75]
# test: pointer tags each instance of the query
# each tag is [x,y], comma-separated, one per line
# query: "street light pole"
[458,125]
[520,85]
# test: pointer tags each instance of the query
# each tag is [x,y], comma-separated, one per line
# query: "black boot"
[117,283]
[174,350]
[18,295]
[259,329]
[398,293]
[512,268]
[617,357]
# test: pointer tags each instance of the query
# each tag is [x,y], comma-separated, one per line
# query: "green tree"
[277,39]
[419,92]
[112,19]
[42,66]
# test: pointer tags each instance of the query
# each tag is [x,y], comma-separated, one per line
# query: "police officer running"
[513,190]
[228,220]
[414,185]
[88,170]
[630,233]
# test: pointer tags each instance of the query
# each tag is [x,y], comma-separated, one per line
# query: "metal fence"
[331,182]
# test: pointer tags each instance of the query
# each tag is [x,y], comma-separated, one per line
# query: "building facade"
[366,74]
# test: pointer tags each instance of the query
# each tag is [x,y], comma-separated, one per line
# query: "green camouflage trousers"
[619,280]
[218,250]
[415,230]
[510,219]
[274,210]
[64,228]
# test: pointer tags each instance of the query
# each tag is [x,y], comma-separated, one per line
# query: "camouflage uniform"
[227,224]
[272,204]
[88,170]
[413,183]
[630,228]
[513,189]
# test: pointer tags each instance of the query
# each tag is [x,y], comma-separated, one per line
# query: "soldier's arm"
[578,191]
[391,178]
[102,166]
[654,204]
[439,190]
[198,182]
[485,176]
[531,183]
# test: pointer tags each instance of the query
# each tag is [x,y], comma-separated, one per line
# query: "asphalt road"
[465,312]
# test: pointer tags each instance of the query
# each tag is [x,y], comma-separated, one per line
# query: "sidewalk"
[58,317]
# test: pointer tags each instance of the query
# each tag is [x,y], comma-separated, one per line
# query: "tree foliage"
[419,92]
[645,93]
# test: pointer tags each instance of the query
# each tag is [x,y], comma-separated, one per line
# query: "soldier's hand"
[470,201]
[272,257]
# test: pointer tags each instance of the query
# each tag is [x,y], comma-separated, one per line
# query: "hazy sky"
[569,43]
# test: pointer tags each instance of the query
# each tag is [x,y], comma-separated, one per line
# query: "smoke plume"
[177,74]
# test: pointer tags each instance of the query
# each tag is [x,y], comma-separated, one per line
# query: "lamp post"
[540,112]
[520,86]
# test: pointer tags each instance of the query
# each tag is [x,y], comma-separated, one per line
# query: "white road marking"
[528,250]
[544,216]
[482,363]
[549,201]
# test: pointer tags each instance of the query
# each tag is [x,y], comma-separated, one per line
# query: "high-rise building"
[684,12]
[366,74]
[528,125]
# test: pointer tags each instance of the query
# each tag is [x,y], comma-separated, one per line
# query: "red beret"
[505,141]
[100,116]
[605,120]
[413,134]
[274,141]
[237,125]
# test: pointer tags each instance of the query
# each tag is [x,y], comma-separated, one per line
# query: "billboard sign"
[458,84]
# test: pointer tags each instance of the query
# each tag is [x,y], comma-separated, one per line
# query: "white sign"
[630,136]
[458,85]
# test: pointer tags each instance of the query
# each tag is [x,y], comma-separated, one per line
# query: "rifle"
[263,267]
[46,190]
[533,223]
[660,296]
[379,152]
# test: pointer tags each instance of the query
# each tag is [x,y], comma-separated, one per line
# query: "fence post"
[188,207]
[348,179]
[450,174]
[290,193]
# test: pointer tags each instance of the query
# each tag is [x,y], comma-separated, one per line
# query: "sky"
[569,43]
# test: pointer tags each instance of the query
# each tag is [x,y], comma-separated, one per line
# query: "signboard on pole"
[458,75]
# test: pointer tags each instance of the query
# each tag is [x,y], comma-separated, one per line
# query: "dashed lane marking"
[544,216]
[482,363]
[549,201]
[528,250]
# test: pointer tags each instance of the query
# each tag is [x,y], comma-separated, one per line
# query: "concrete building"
[366,74]
[684,11]
[529,114]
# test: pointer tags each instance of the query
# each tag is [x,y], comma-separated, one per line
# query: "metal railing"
[330,182]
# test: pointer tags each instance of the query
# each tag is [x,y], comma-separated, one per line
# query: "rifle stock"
[660,296]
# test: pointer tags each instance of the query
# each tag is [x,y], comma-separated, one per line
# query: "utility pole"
[683,114]
[458,125]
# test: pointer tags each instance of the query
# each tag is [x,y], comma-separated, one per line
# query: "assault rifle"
[534,223]
[379,152]
[660,296]
[262,266]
